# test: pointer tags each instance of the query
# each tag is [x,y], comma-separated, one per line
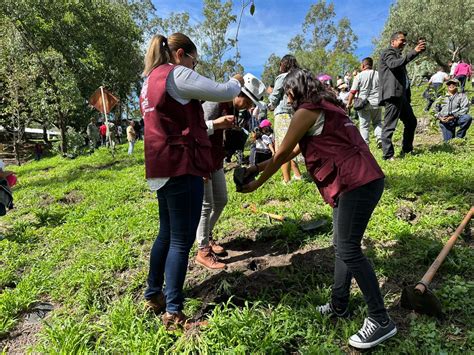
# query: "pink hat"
[265,123]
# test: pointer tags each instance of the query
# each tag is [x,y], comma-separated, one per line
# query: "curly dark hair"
[287,63]
[306,88]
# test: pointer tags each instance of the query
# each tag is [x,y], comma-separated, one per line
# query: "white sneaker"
[372,333]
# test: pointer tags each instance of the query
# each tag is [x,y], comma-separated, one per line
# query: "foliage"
[446,25]
[271,69]
[75,143]
[74,46]
[323,46]
[215,42]
[82,231]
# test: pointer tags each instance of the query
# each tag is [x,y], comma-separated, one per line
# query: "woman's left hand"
[250,187]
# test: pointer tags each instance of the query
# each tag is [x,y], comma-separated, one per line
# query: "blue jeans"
[180,203]
[449,129]
[131,145]
[350,218]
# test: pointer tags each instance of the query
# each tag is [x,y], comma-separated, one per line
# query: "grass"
[82,229]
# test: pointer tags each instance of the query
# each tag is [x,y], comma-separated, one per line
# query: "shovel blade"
[313,225]
[425,303]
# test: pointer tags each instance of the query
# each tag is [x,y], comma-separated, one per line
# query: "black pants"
[398,107]
[350,219]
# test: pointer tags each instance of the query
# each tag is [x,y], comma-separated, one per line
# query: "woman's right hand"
[224,122]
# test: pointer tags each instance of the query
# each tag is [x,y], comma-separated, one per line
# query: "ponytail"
[160,49]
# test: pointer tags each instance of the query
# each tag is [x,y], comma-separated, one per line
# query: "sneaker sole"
[374,343]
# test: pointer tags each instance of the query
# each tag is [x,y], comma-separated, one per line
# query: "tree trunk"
[16,150]
[45,135]
[62,128]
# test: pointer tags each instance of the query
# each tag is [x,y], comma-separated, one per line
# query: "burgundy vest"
[338,159]
[176,141]
[217,139]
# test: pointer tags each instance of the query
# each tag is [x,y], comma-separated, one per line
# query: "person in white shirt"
[366,84]
[434,84]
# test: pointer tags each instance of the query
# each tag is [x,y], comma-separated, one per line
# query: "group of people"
[108,133]
[186,119]
[389,86]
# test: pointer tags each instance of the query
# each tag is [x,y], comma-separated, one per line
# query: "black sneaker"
[328,310]
[372,334]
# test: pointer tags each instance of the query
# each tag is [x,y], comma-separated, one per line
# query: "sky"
[275,22]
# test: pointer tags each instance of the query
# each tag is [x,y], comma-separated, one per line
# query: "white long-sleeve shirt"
[183,85]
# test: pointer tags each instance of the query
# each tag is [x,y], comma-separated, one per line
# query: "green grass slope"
[80,236]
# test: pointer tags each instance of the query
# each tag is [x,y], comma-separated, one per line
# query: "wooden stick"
[426,280]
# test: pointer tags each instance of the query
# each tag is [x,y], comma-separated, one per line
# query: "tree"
[345,37]
[214,41]
[447,27]
[176,22]
[84,39]
[271,69]
[322,46]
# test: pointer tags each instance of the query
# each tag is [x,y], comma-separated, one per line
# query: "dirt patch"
[260,268]
[25,334]
[71,197]
[406,213]
[46,200]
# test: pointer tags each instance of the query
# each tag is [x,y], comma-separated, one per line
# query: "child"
[264,142]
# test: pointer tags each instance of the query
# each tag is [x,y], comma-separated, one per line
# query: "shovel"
[419,297]
[254,209]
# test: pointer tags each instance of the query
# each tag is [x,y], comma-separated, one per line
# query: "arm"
[189,85]
[300,124]
[393,61]
[455,73]
[278,91]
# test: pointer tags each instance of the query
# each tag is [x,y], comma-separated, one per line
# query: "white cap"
[254,88]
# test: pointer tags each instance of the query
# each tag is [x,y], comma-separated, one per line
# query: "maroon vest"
[338,159]
[176,141]
[217,139]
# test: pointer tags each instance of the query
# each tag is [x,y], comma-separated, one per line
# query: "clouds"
[276,22]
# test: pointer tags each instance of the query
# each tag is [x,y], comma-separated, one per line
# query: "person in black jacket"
[394,93]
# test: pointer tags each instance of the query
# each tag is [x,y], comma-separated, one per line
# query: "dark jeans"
[180,203]
[431,99]
[449,129]
[350,219]
[398,107]
[462,81]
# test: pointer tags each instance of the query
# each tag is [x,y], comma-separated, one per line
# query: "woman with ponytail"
[350,180]
[177,159]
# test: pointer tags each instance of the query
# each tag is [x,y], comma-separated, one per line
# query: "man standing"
[93,135]
[103,134]
[453,112]
[131,137]
[366,85]
[394,93]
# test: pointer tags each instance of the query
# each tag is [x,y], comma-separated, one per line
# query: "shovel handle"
[274,216]
[426,280]
[254,209]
